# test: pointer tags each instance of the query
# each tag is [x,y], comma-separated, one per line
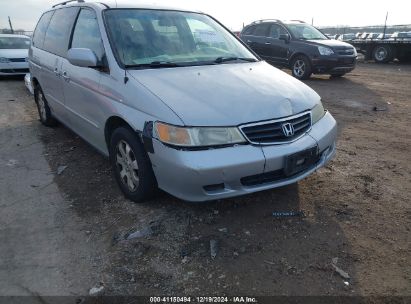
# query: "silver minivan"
[176,101]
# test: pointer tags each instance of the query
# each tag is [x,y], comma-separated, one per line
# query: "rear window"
[41,28]
[14,43]
[58,31]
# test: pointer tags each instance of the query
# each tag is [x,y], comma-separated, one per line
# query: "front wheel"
[131,165]
[301,67]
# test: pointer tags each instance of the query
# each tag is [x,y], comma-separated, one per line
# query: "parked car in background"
[13,54]
[346,37]
[174,99]
[373,35]
[382,36]
[300,47]
[401,35]
[364,35]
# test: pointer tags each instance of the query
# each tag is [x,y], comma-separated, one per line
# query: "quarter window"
[87,33]
[58,32]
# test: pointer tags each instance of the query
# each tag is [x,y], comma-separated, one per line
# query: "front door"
[81,85]
[277,49]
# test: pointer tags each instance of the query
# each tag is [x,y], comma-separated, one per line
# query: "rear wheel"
[301,67]
[131,165]
[383,54]
[43,108]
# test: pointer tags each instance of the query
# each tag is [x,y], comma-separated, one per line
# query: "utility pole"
[385,25]
[11,27]
[312,21]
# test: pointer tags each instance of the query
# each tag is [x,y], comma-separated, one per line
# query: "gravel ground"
[356,210]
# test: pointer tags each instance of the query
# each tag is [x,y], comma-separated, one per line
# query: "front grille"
[348,52]
[11,71]
[17,59]
[271,132]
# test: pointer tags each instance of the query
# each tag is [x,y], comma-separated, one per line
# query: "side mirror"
[82,57]
[285,37]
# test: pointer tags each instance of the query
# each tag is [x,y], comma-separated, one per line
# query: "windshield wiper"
[153,65]
[225,59]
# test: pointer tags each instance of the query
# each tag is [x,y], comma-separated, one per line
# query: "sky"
[233,14]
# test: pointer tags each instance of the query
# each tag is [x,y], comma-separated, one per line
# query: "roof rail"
[68,1]
[298,21]
[262,20]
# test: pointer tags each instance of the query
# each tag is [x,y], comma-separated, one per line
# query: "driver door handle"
[268,43]
[65,76]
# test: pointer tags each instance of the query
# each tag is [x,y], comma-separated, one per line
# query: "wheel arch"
[293,56]
[112,123]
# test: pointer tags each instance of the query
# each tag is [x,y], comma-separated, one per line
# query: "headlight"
[317,112]
[325,51]
[4,60]
[197,136]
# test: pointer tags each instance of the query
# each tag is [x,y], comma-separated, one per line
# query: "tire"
[131,165]
[382,54]
[337,75]
[301,67]
[46,118]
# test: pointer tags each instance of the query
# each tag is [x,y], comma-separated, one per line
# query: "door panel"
[276,48]
[82,84]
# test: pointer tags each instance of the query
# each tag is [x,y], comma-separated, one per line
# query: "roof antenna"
[116,4]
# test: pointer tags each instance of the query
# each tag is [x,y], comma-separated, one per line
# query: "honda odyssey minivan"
[176,101]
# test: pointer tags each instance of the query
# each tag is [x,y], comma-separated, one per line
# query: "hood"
[14,53]
[227,94]
[335,44]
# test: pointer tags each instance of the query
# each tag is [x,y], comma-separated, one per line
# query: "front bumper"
[333,64]
[14,68]
[220,173]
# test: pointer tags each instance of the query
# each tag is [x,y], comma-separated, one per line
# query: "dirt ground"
[357,209]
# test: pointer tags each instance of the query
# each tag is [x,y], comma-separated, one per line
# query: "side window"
[276,30]
[249,30]
[58,32]
[41,28]
[87,33]
[262,30]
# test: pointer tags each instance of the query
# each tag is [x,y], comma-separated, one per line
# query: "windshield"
[160,37]
[305,31]
[14,43]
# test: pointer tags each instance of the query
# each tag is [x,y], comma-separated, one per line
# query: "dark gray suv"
[299,46]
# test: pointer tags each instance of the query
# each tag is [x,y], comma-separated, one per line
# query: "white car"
[13,54]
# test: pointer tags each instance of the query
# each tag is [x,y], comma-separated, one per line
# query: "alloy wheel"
[127,165]
[299,67]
